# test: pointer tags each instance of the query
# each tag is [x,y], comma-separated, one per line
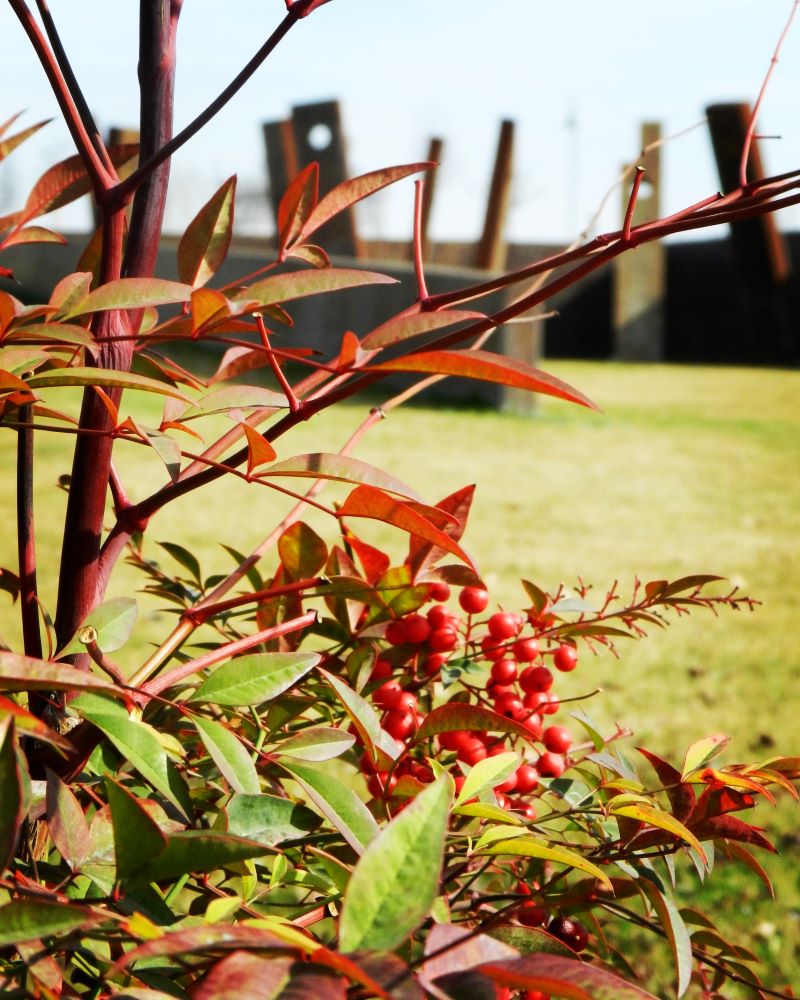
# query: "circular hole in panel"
[319,136]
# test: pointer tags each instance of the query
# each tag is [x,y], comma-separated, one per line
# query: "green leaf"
[677,934]
[131,293]
[342,468]
[254,679]
[484,810]
[530,940]
[367,501]
[112,621]
[24,673]
[316,743]
[488,773]
[339,804]
[400,328]
[139,745]
[472,718]
[198,851]
[353,190]
[529,847]
[186,559]
[300,284]
[396,880]
[659,818]
[372,734]
[66,822]
[52,333]
[11,794]
[30,920]
[229,755]
[137,837]
[486,367]
[103,377]
[700,753]
[269,819]
[562,977]
[204,245]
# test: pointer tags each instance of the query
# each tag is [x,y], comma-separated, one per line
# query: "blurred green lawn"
[688,469]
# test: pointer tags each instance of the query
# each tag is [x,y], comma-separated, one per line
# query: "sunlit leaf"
[660,819]
[396,880]
[486,367]
[297,203]
[403,327]
[32,234]
[487,773]
[254,679]
[703,751]
[197,851]
[316,743]
[24,673]
[529,847]
[30,920]
[563,977]
[31,725]
[269,819]
[204,245]
[131,293]
[227,752]
[259,450]
[377,742]
[112,622]
[473,718]
[300,284]
[103,377]
[201,939]
[338,803]
[351,191]
[302,551]
[10,144]
[246,976]
[321,465]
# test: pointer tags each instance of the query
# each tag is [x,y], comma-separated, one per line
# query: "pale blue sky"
[407,69]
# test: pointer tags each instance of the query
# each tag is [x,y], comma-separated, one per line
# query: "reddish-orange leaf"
[259,450]
[298,202]
[207,305]
[367,501]
[486,367]
[457,716]
[204,246]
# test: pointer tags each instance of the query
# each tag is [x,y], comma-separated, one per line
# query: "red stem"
[419,264]
[28,604]
[637,183]
[751,128]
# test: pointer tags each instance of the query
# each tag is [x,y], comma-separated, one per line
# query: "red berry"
[381,669]
[400,723]
[416,629]
[532,915]
[549,703]
[438,616]
[535,679]
[503,625]
[534,700]
[471,752]
[454,740]
[434,663]
[571,932]
[473,600]
[551,765]
[534,995]
[510,706]
[527,779]
[442,640]
[407,700]
[388,694]
[504,671]
[525,650]
[501,690]
[533,723]
[491,649]
[395,633]
[557,739]
[439,591]
[565,658]
[508,785]
[526,809]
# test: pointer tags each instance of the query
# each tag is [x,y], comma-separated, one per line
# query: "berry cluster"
[519,686]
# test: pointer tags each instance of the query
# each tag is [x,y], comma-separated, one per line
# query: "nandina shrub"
[342,771]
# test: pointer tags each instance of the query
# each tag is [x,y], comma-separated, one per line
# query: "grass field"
[686,470]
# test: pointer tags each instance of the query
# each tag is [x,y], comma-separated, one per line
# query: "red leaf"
[422,554]
[366,501]
[243,975]
[456,716]
[404,327]
[681,796]
[565,977]
[204,245]
[29,723]
[298,202]
[717,801]
[207,305]
[731,828]
[486,367]
[32,234]
[10,144]
[259,450]
[349,192]
[374,562]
